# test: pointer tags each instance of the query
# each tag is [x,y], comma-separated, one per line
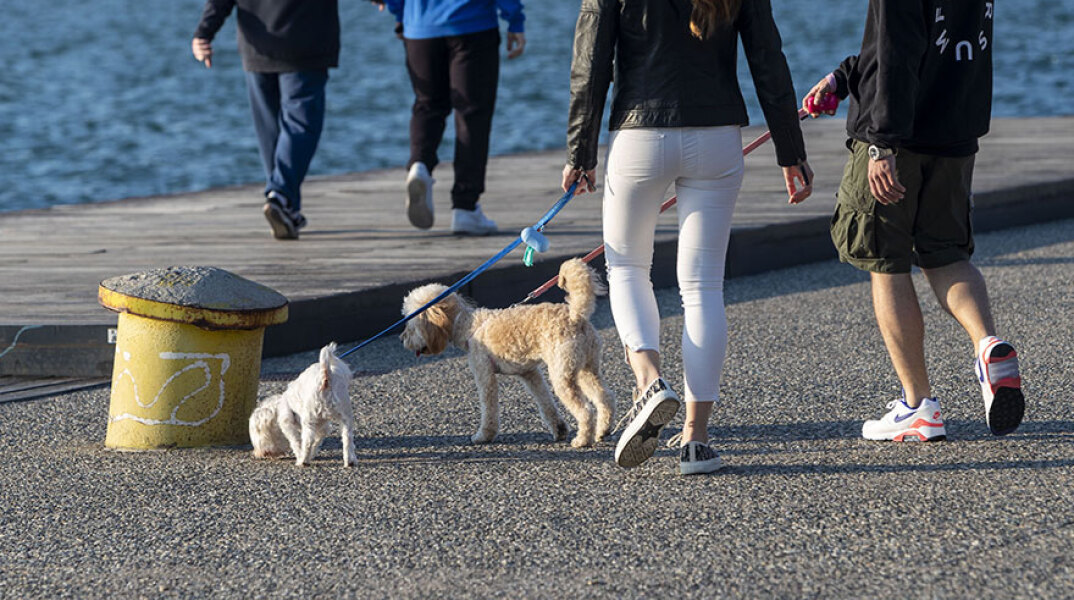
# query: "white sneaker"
[1001,385]
[471,222]
[419,196]
[696,458]
[653,409]
[905,424]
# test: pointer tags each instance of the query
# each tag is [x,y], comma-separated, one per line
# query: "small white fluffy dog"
[515,341]
[301,416]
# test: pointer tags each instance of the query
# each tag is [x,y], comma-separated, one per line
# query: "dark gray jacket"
[665,77]
[279,36]
[923,79]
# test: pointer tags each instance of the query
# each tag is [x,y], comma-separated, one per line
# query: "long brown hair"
[707,14]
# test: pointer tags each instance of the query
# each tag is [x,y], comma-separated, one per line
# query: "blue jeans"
[288,111]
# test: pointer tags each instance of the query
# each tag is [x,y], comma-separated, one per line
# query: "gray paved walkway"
[346,275]
[805,509]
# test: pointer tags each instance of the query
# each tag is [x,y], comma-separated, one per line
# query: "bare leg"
[899,316]
[961,290]
[696,426]
[645,364]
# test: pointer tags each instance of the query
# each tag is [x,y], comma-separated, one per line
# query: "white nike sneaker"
[471,222]
[905,424]
[1001,385]
[419,196]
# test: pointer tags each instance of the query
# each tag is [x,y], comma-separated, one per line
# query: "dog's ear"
[435,329]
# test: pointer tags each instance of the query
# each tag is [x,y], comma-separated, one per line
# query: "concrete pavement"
[805,508]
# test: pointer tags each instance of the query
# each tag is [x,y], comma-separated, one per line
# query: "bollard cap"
[208,297]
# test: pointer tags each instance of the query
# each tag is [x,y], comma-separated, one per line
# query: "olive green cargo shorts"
[930,227]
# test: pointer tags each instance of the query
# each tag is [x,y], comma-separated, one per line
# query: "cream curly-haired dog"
[515,341]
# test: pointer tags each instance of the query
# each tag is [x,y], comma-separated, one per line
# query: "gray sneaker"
[419,196]
[696,458]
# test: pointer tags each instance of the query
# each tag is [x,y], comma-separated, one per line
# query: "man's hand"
[203,51]
[801,174]
[570,175]
[516,43]
[884,181]
[817,93]
[379,4]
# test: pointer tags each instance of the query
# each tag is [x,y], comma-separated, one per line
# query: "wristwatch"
[876,152]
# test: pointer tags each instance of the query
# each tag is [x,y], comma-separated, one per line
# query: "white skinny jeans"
[705,164]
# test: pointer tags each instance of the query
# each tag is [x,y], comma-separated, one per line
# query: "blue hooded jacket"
[424,19]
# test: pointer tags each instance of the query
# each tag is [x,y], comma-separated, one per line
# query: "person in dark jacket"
[675,119]
[920,97]
[287,47]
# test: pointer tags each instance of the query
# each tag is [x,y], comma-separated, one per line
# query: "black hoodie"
[279,36]
[923,79]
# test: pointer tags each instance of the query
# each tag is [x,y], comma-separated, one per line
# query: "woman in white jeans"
[676,118]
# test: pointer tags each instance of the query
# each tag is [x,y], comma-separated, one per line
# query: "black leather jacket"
[665,77]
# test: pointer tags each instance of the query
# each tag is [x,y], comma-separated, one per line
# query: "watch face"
[874,152]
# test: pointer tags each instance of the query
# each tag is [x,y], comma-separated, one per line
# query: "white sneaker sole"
[639,440]
[917,434]
[418,208]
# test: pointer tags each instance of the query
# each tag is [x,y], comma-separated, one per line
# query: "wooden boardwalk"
[347,274]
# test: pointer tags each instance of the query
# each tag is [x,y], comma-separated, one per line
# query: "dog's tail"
[582,286]
[327,354]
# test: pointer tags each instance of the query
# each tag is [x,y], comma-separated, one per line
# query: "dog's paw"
[581,441]
[482,438]
[561,432]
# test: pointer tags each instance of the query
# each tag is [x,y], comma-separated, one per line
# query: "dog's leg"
[567,390]
[488,393]
[602,399]
[547,407]
[346,434]
[309,440]
[292,430]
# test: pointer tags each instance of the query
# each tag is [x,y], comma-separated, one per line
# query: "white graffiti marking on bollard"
[198,359]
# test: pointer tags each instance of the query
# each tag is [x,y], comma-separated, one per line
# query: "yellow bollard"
[188,356]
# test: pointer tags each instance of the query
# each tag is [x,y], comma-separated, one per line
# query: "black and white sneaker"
[653,409]
[280,218]
[696,458]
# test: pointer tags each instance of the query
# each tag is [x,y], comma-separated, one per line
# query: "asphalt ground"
[804,508]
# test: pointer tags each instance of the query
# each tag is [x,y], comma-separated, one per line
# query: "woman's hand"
[570,175]
[798,174]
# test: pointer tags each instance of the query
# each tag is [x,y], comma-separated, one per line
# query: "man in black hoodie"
[921,96]
[287,47]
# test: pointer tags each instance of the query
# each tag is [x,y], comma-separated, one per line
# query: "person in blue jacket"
[452,55]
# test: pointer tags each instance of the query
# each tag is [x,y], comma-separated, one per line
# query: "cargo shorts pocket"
[853,226]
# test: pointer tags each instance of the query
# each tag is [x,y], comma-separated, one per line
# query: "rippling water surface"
[101,99]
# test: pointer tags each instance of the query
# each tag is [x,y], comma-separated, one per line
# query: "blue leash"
[473,274]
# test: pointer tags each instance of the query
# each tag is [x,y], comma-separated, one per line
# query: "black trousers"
[461,73]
